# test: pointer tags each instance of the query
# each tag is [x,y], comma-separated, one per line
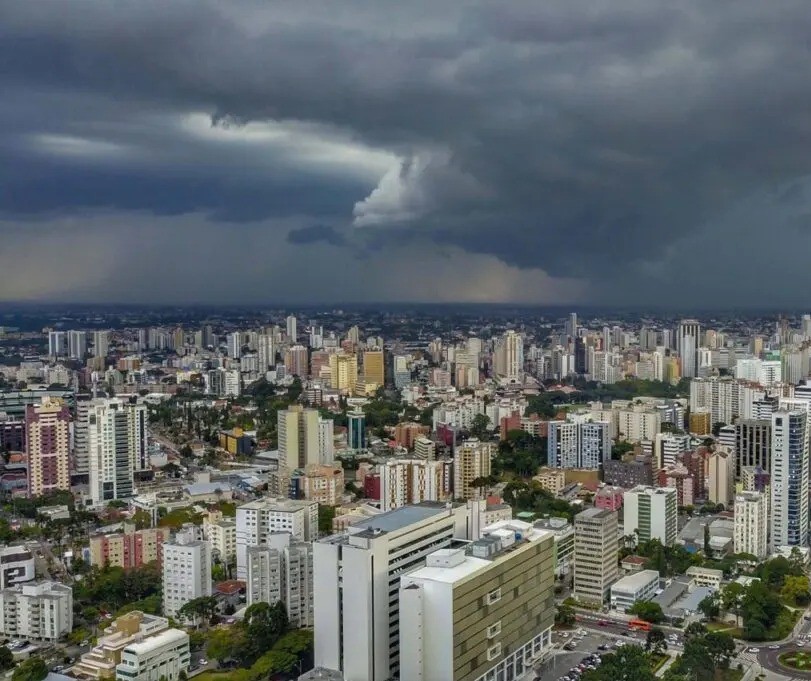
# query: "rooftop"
[163,638]
[399,518]
[636,580]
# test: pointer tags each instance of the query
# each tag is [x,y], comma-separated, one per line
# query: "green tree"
[648,611]
[565,615]
[655,641]
[710,607]
[629,663]
[32,669]
[225,643]
[6,658]
[731,598]
[795,590]
[326,514]
[199,610]
[760,608]
[478,427]
[694,630]
[264,625]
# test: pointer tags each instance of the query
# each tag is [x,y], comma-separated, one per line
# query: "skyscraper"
[234,341]
[471,460]
[47,437]
[595,554]
[299,437]
[688,336]
[751,524]
[57,344]
[373,367]
[509,356]
[356,430]
[77,344]
[292,333]
[789,479]
[578,443]
[296,361]
[652,513]
[343,372]
[101,343]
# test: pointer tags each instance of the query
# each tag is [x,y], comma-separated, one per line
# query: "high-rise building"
[668,447]
[471,460]
[789,479]
[751,524]
[651,513]
[402,374]
[42,611]
[324,484]
[343,372]
[299,437]
[292,332]
[297,361]
[234,343]
[356,430]
[596,546]
[373,367]
[117,447]
[410,481]
[509,356]
[687,336]
[47,438]
[258,520]
[578,443]
[721,477]
[753,439]
[186,572]
[326,441]
[77,344]
[357,578]
[481,612]
[101,343]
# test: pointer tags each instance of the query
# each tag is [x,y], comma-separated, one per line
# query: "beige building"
[481,612]
[553,480]
[128,549]
[471,460]
[299,437]
[721,477]
[373,367]
[101,661]
[221,533]
[164,656]
[47,437]
[324,484]
[343,372]
[596,549]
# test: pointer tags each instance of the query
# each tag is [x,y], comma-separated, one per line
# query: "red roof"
[635,560]
[229,588]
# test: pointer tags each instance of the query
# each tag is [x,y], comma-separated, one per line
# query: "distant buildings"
[579,443]
[596,548]
[47,436]
[411,481]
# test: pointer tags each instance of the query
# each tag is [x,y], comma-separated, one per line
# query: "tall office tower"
[117,447]
[258,520]
[343,372]
[186,572]
[410,481]
[353,335]
[509,356]
[687,336]
[580,355]
[143,340]
[753,440]
[789,479]
[81,446]
[751,524]
[234,343]
[596,546]
[373,364]
[297,361]
[578,443]
[356,430]
[283,571]
[57,344]
[471,460]
[47,438]
[357,577]
[299,437]
[266,353]
[721,477]
[571,325]
[652,513]
[101,343]
[648,338]
[482,613]
[326,441]
[292,333]
[77,344]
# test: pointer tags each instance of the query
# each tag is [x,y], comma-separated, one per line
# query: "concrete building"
[705,577]
[753,441]
[128,549]
[283,571]
[596,549]
[789,479]
[424,448]
[751,524]
[410,481]
[651,513]
[357,619]
[186,572]
[101,343]
[299,437]
[17,566]
[374,367]
[100,662]
[356,430]
[553,480]
[563,532]
[40,612]
[323,484]
[637,470]
[638,586]
[609,498]
[668,447]
[162,656]
[470,461]
[343,372]
[687,339]
[258,520]
[721,477]
[481,612]
[221,533]
[47,438]
[579,443]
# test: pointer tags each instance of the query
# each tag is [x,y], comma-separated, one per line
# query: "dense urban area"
[412,493]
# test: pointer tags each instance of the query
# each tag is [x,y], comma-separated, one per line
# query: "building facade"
[128,549]
[652,513]
[160,657]
[40,612]
[596,549]
[789,479]
[186,572]
[47,428]
[751,524]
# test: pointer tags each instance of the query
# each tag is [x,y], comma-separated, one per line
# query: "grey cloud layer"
[593,140]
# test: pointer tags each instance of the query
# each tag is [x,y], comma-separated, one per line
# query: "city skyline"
[649,154]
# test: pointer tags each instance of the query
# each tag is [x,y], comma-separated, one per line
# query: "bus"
[639,625]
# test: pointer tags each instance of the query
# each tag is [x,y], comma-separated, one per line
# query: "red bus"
[639,625]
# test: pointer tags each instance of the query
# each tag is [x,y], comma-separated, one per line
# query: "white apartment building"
[596,546]
[481,612]
[410,481]
[651,513]
[162,656]
[721,477]
[563,532]
[357,579]
[222,535]
[788,507]
[471,460]
[638,423]
[258,520]
[17,566]
[186,572]
[578,442]
[41,612]
[668,446]
[638,586]
[751,524]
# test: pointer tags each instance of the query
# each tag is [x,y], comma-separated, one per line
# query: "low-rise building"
[41,612]
[324,484]
[553,480]
[128,549]
[609,497]
[163,656]
[708,577]
[638,586]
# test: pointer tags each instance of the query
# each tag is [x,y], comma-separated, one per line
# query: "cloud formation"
[624,151]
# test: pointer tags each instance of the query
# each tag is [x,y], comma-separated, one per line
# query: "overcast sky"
[607,152]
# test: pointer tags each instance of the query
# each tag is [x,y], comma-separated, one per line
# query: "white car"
[753,650]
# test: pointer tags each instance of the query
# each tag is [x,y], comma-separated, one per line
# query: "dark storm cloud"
[316,234]
[567,136]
